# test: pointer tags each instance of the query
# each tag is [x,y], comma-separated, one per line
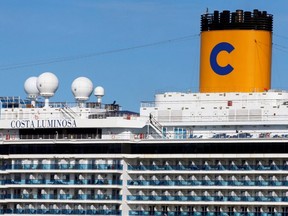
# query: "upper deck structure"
[219,152]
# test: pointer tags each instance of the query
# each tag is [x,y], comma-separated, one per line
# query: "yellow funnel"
[236,52]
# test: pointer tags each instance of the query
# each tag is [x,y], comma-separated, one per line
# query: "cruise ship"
[221,151]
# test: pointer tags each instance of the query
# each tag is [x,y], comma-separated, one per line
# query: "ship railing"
[126,115]
[184,135]
[40,104]
[207,135]
[61,211]
[147,104]
[208,167]
[63,196]
[206,213]
[63,166]
[222,118]
[65,112]
[52,136]
[207,198]
[206,183]
[63,182]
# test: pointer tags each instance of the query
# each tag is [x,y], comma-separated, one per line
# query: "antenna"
[30,87]
[99,93]
[82,88]
[47,84]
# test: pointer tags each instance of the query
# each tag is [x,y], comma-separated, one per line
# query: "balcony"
[206,167]
[198,213]
[64,182]
[60,211]
[207,198]
[63,167]
[62,197]
[206,183]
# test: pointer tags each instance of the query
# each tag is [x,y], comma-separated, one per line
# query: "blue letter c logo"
[224,46]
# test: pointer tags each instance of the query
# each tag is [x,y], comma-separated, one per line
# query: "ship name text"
[44,123]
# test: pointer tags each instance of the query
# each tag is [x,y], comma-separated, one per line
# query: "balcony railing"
[143,135]
[198,213]
[62,167]
[207,183]
[208,167]
[208,198]
[61,197]
[61,211]
[64,182]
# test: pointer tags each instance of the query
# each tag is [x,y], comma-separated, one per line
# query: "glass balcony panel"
[233,167]
[208,198]
[276,199]
[249,183]
[262,199]
[248,198]
[206,167]
[157,198]
[236,183]
[275,183]
[193,167]
[274,167]
[135,212]
[195,198]
[168,167]
[234,198]
[221,182]
[64,166]
[220,167]
[208,182]
[246,167]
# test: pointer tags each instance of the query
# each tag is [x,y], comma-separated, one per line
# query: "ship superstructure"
[222,151]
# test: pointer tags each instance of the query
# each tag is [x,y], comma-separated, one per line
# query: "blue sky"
[80,31]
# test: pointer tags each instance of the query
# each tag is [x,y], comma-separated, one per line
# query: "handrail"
[206,183]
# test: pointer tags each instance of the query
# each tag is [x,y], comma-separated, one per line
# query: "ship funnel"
[236,50]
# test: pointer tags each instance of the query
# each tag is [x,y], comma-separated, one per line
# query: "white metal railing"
[59,113]
[147,104]
[188,135]
[223,118]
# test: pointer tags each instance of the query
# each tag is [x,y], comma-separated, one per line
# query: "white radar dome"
[30,87]
[47,84]
[99,91]
[82,88]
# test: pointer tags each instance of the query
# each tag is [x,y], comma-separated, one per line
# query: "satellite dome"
[99,91]
[47,84]
[30,87]
[82,88]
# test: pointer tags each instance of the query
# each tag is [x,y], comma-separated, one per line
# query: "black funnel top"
[256,20]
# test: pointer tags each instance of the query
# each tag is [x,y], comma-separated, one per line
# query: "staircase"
[68,112]
[158,128]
